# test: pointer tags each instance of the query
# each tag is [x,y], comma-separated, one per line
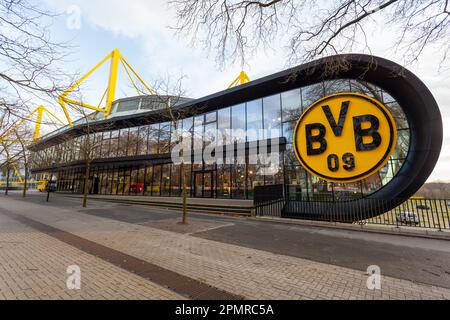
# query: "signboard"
[345,137]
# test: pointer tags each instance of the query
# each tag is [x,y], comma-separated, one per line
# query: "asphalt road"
[417,259]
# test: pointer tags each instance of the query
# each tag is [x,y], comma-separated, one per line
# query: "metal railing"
[420,213]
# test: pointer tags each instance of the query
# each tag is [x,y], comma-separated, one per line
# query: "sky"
[140,29]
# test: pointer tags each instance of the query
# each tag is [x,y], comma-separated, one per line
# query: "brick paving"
[33,266]
[254,274]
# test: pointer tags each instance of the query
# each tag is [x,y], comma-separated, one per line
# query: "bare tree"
[234,29]
[30,69]
[23,138]
[18,155]
[170,94]
[6,162]
[29,59]
[90,147]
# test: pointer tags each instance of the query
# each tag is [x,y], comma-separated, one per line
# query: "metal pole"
[7,180]
[48,187]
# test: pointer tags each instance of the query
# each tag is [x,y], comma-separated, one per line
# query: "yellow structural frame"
[37,129]
[116,58]
[241,79]
[36,135]
[16,171]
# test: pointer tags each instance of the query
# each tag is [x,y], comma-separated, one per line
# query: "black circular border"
[372,170]
[425,127]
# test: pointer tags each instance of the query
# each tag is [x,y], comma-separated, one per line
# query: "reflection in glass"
[291,103]
[164,137]
[238,122]
[223,181]
[279,112]
[254,120]
[272,116]
[153,133]
[165,180]
[310,94]
[156,181]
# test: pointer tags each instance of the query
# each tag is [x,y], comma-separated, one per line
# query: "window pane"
[238,181]
[288,131]
[311,94]
[133,140]
[210,134]
[165,187]
[128,105]
[175,181]
[142,140]
[198,132]
[211,117]
[254,120]
[291,104]
[253,179]
[238,122]
[148,180]
[105,144]
[123,143]
[366,88]
[153,139]
[272,116]
[223,123]
[223,181]
[188,125]
[156,181]
[164,137]
[334,86]
[224,118]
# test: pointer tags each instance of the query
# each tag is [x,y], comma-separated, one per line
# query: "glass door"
[208,185]
[198,185]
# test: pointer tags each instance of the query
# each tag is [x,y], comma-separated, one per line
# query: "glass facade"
[276,114]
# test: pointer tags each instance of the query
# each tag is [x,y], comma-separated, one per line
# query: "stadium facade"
[133,145]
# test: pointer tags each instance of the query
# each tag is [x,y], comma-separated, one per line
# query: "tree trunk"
[184,193]
[86,185]
[25,181]
[7,181]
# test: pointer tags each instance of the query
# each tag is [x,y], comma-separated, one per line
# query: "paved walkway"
[34,265]
[251,273]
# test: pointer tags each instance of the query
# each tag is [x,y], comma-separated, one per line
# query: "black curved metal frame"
[410,92]
[425,125]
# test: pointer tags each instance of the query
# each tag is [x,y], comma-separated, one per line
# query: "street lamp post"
[50,182]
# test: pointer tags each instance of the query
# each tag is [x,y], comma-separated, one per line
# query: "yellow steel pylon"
[241,79]
[37,129]
[16,171]
[116,58]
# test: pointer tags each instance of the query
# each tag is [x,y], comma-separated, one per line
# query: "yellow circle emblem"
[345,137]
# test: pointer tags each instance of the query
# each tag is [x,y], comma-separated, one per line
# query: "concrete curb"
[392,230]
[225,210]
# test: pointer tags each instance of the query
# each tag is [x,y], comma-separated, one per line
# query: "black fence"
[421,213]
[263,194]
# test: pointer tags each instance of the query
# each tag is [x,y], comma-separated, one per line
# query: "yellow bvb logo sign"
[345,137]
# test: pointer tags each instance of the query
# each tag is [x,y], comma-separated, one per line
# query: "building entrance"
[204,184]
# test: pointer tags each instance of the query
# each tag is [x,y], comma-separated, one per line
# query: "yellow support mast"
[241,79]
[37,129]
[116,58]
[40,111]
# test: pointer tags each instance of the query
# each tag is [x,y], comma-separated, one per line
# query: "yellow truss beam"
[16,171]
[116,57]
[241,79]
[37,130]
[12,164]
